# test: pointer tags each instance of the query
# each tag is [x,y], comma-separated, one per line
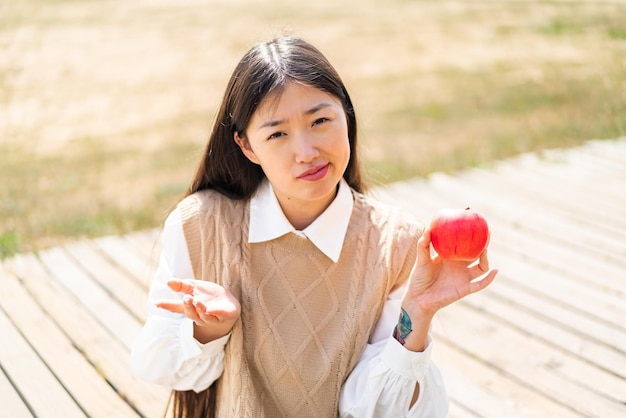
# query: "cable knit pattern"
[305,320]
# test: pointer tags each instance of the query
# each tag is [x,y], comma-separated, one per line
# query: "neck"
[302,214]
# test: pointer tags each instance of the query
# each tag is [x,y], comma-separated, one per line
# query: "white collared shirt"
[381,384]
[327,232]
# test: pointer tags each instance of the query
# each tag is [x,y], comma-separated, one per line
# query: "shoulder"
[392,233]
[207,197]
[386,217]
[206,217]
[209,202]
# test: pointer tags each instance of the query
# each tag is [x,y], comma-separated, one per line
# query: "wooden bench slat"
[86,386]
[568,318]
[551,256]
[107,354]
[481,390]
[45,395]
[147,242]
[121,252]
[458,411]
[12,404]
[559,375]
[93,299]
[580,201]
[537,323]
[114,280]
[602,305]
[580,177]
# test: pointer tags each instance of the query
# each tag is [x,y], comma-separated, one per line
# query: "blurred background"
[105,106]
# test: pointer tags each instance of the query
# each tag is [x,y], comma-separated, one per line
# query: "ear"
[244,145]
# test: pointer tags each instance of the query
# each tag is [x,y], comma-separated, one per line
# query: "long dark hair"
[264,69]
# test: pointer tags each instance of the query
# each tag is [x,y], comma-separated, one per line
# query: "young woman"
[283,290]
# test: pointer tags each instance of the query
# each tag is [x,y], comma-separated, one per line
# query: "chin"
[328,190]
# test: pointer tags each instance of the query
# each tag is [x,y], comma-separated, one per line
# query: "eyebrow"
[276,122]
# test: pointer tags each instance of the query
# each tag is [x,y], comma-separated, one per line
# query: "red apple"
[459,234]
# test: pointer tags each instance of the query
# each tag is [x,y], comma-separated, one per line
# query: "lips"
[314,173]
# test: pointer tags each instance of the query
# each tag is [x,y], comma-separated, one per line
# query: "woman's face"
[300,140]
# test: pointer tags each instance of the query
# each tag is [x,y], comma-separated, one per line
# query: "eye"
[320,120]
[276,135]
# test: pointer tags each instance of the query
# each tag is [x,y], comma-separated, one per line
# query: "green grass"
[46,199]
[493,115]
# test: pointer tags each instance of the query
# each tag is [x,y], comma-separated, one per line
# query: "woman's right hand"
[213,309]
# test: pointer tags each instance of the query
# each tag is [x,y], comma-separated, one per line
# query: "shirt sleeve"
[165,351]
[383,381]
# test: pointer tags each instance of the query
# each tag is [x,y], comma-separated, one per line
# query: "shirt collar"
[327,232]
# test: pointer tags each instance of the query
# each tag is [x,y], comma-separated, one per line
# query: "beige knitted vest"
[305,320]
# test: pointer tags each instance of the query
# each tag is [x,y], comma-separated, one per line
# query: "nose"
[305,149]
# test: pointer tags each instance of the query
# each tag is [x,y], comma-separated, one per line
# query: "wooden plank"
[46,397]
[115,281]
[571,203]
[90,297]
[140,267]
[12,404]
[603,305]
[481,390]
[107,354]
[560,376]
[594,179]
[537,323]
[613,149]
[86,386]
[566,318]
[550,255]
[593,158]
[458,411]
[148,242]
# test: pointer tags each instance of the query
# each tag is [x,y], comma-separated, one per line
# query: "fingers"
[206,314]
[201,301]
[478,285]
[480,269]
[424,240]
[423,246]
[196,310]
[181,286]
[185,306]
[483,261]
[191,308]
[175,306]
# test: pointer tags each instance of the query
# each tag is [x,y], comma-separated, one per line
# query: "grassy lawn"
[105,106]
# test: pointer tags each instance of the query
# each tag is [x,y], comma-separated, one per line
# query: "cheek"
[343,144]
[270,160]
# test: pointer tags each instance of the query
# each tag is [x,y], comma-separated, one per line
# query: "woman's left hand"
[436,282]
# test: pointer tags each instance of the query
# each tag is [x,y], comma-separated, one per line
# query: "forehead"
[292,98]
